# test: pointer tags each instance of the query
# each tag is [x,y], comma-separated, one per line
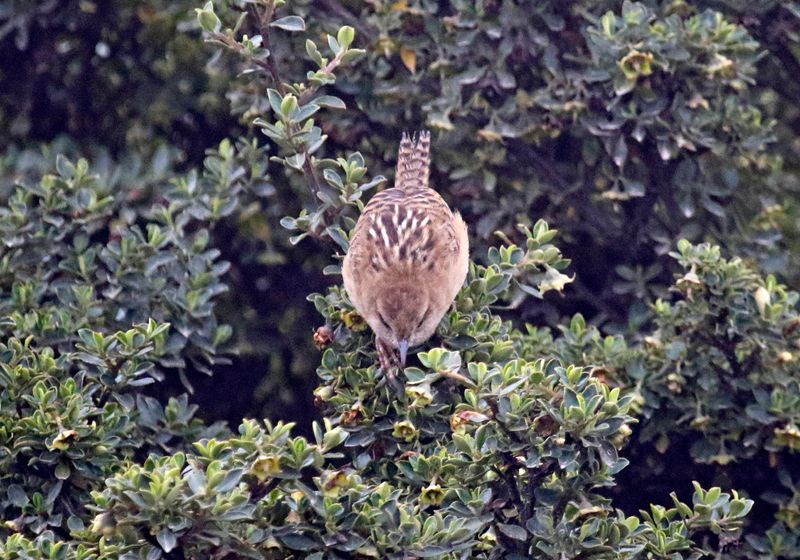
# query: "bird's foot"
[389,362]
[387,357]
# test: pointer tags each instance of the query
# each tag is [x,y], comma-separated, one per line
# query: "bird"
[408,256]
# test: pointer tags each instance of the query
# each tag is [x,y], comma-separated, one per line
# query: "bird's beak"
[403,347]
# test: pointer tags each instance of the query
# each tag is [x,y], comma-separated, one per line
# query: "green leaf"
[275,100]
[334,45]
[230,480]
[339,236]
[304,112]
[17,496]
[298,541]
[289,23]
[313,52]
[64,167]
[207,19]
[167,540]
[513,531]
[740,508]
[345,36]
[330,102]
[608,453]
[62,471]
[75,524]
[608,20]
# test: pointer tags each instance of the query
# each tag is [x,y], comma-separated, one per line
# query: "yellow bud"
[432,495]
[63,440]
[404,430]
[102,524]
[762,298]
[420,393]
[635,64]
[288,105]
[721,65]
[333,482]
[266,467]
[353,321]
[788,437]
[465,417]
[323,392]
[690,278]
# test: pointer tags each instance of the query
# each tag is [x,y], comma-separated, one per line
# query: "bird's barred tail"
[413,161]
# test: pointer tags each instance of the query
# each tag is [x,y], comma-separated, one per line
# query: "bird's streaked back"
[408,254]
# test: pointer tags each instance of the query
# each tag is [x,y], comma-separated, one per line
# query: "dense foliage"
[564,406]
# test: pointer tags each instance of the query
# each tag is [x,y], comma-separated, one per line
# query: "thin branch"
[511,483]
[535,477]
[264,17]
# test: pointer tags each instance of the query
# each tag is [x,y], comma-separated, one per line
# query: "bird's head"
[404,314]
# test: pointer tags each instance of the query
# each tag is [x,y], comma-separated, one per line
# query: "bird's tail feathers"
[413,161]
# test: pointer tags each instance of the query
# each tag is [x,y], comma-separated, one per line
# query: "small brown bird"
[408,256]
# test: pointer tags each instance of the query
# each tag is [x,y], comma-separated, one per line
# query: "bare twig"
[264,17]
[535,477]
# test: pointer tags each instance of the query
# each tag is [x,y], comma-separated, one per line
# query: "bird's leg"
[386,356]
[390,364]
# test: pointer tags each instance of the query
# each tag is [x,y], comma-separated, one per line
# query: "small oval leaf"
[289,23]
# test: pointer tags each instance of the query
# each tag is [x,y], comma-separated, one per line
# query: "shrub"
[642,123]
[99,300]
[119,74]
[550,111]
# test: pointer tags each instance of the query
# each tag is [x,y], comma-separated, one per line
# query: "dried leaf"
[409,58]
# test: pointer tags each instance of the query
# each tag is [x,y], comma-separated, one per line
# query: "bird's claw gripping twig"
[387,357]
[388,360]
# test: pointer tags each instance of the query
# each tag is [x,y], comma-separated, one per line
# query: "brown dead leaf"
[409,58]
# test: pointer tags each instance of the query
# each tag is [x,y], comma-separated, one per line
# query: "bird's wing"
[405,229]
[408,228]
